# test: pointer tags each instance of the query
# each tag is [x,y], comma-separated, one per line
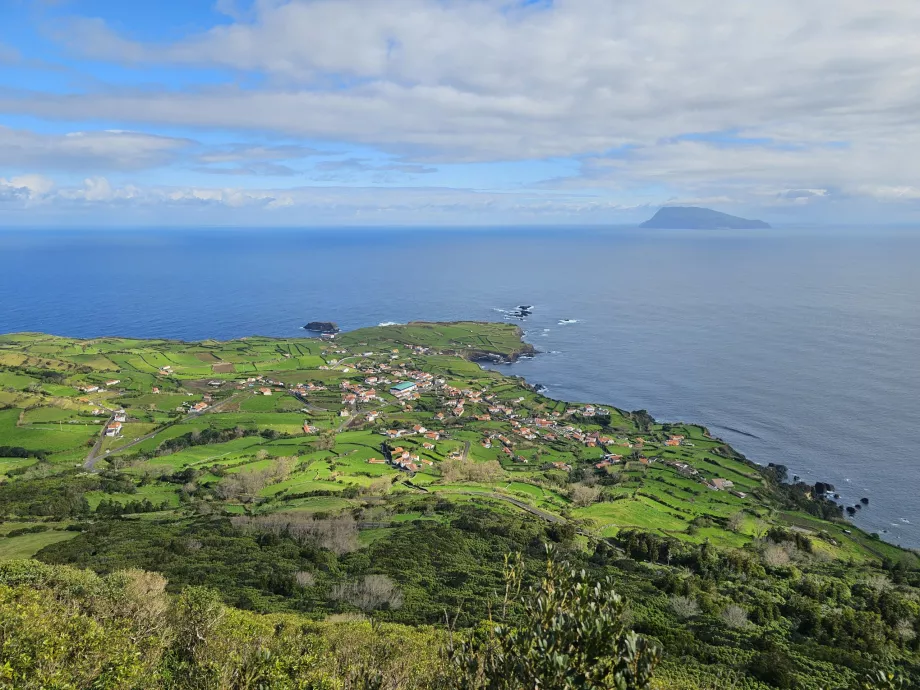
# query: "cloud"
[363,165]
[247,152]
[323,204]
[485,80]
[765,173]
[81,151]
[25,188]
[782,104]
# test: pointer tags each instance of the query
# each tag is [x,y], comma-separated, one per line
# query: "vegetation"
[271,516]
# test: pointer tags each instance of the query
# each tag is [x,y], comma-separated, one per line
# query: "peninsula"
[292,487]
[696,218]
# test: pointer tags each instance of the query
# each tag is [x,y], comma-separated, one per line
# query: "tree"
[584,495]
[570,635]
[370,593]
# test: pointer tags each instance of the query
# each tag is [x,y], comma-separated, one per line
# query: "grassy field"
[253,454]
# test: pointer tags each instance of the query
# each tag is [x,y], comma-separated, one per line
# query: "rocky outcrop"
[322,327]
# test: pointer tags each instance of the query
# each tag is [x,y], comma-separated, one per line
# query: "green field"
[223,497]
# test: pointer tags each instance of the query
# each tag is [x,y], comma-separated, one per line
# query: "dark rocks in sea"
[322,327]
[522,311]
[864,501]
[822,488]
[696,218]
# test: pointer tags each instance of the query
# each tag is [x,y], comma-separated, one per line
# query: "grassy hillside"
[279,472]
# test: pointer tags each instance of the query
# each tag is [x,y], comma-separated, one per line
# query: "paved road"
[92,458]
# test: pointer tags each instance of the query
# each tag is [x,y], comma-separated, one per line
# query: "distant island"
[696,218]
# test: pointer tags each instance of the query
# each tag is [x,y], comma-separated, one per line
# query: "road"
[93,457]
[549,517]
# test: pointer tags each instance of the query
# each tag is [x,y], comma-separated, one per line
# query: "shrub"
[569,635]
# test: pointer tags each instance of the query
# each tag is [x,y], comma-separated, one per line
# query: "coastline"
[754,464]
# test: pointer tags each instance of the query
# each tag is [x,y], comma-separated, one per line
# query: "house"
[214,384]
[308,428]
[344,412]
[89,388]
[562,466]
[428,446]
[721,484]
[433,435]
[376,461]
[265,391]
[120,416]
[155,389]
[113,382]
[113,429]
[199,407]
[403,389]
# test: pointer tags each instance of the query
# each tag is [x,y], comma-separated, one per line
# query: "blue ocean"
[797,346]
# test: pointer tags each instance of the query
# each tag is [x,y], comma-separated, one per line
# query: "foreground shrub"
[570,635]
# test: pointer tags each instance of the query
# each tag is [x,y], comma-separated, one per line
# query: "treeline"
[20,452]
[203,437]
[59,496]
[110,508]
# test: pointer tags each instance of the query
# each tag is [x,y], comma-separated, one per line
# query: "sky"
[456,112]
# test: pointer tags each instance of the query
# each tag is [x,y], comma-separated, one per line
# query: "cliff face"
[695,218]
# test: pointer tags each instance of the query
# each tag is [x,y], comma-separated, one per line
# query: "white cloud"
[475,79]
[25,188]
[82,151]
[826,91]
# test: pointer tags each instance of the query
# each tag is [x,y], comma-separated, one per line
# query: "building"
[113,429]
[120,416]
[265,391]
[721,484]
[403,390]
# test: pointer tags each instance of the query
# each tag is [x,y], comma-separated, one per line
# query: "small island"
[696,218]
[322,327]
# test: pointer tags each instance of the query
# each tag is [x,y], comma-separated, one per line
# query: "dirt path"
[549,517]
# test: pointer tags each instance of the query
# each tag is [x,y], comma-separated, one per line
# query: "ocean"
[797,346]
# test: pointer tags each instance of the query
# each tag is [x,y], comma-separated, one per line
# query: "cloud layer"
[760,104]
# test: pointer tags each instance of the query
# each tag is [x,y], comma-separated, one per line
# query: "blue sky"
[300,112]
